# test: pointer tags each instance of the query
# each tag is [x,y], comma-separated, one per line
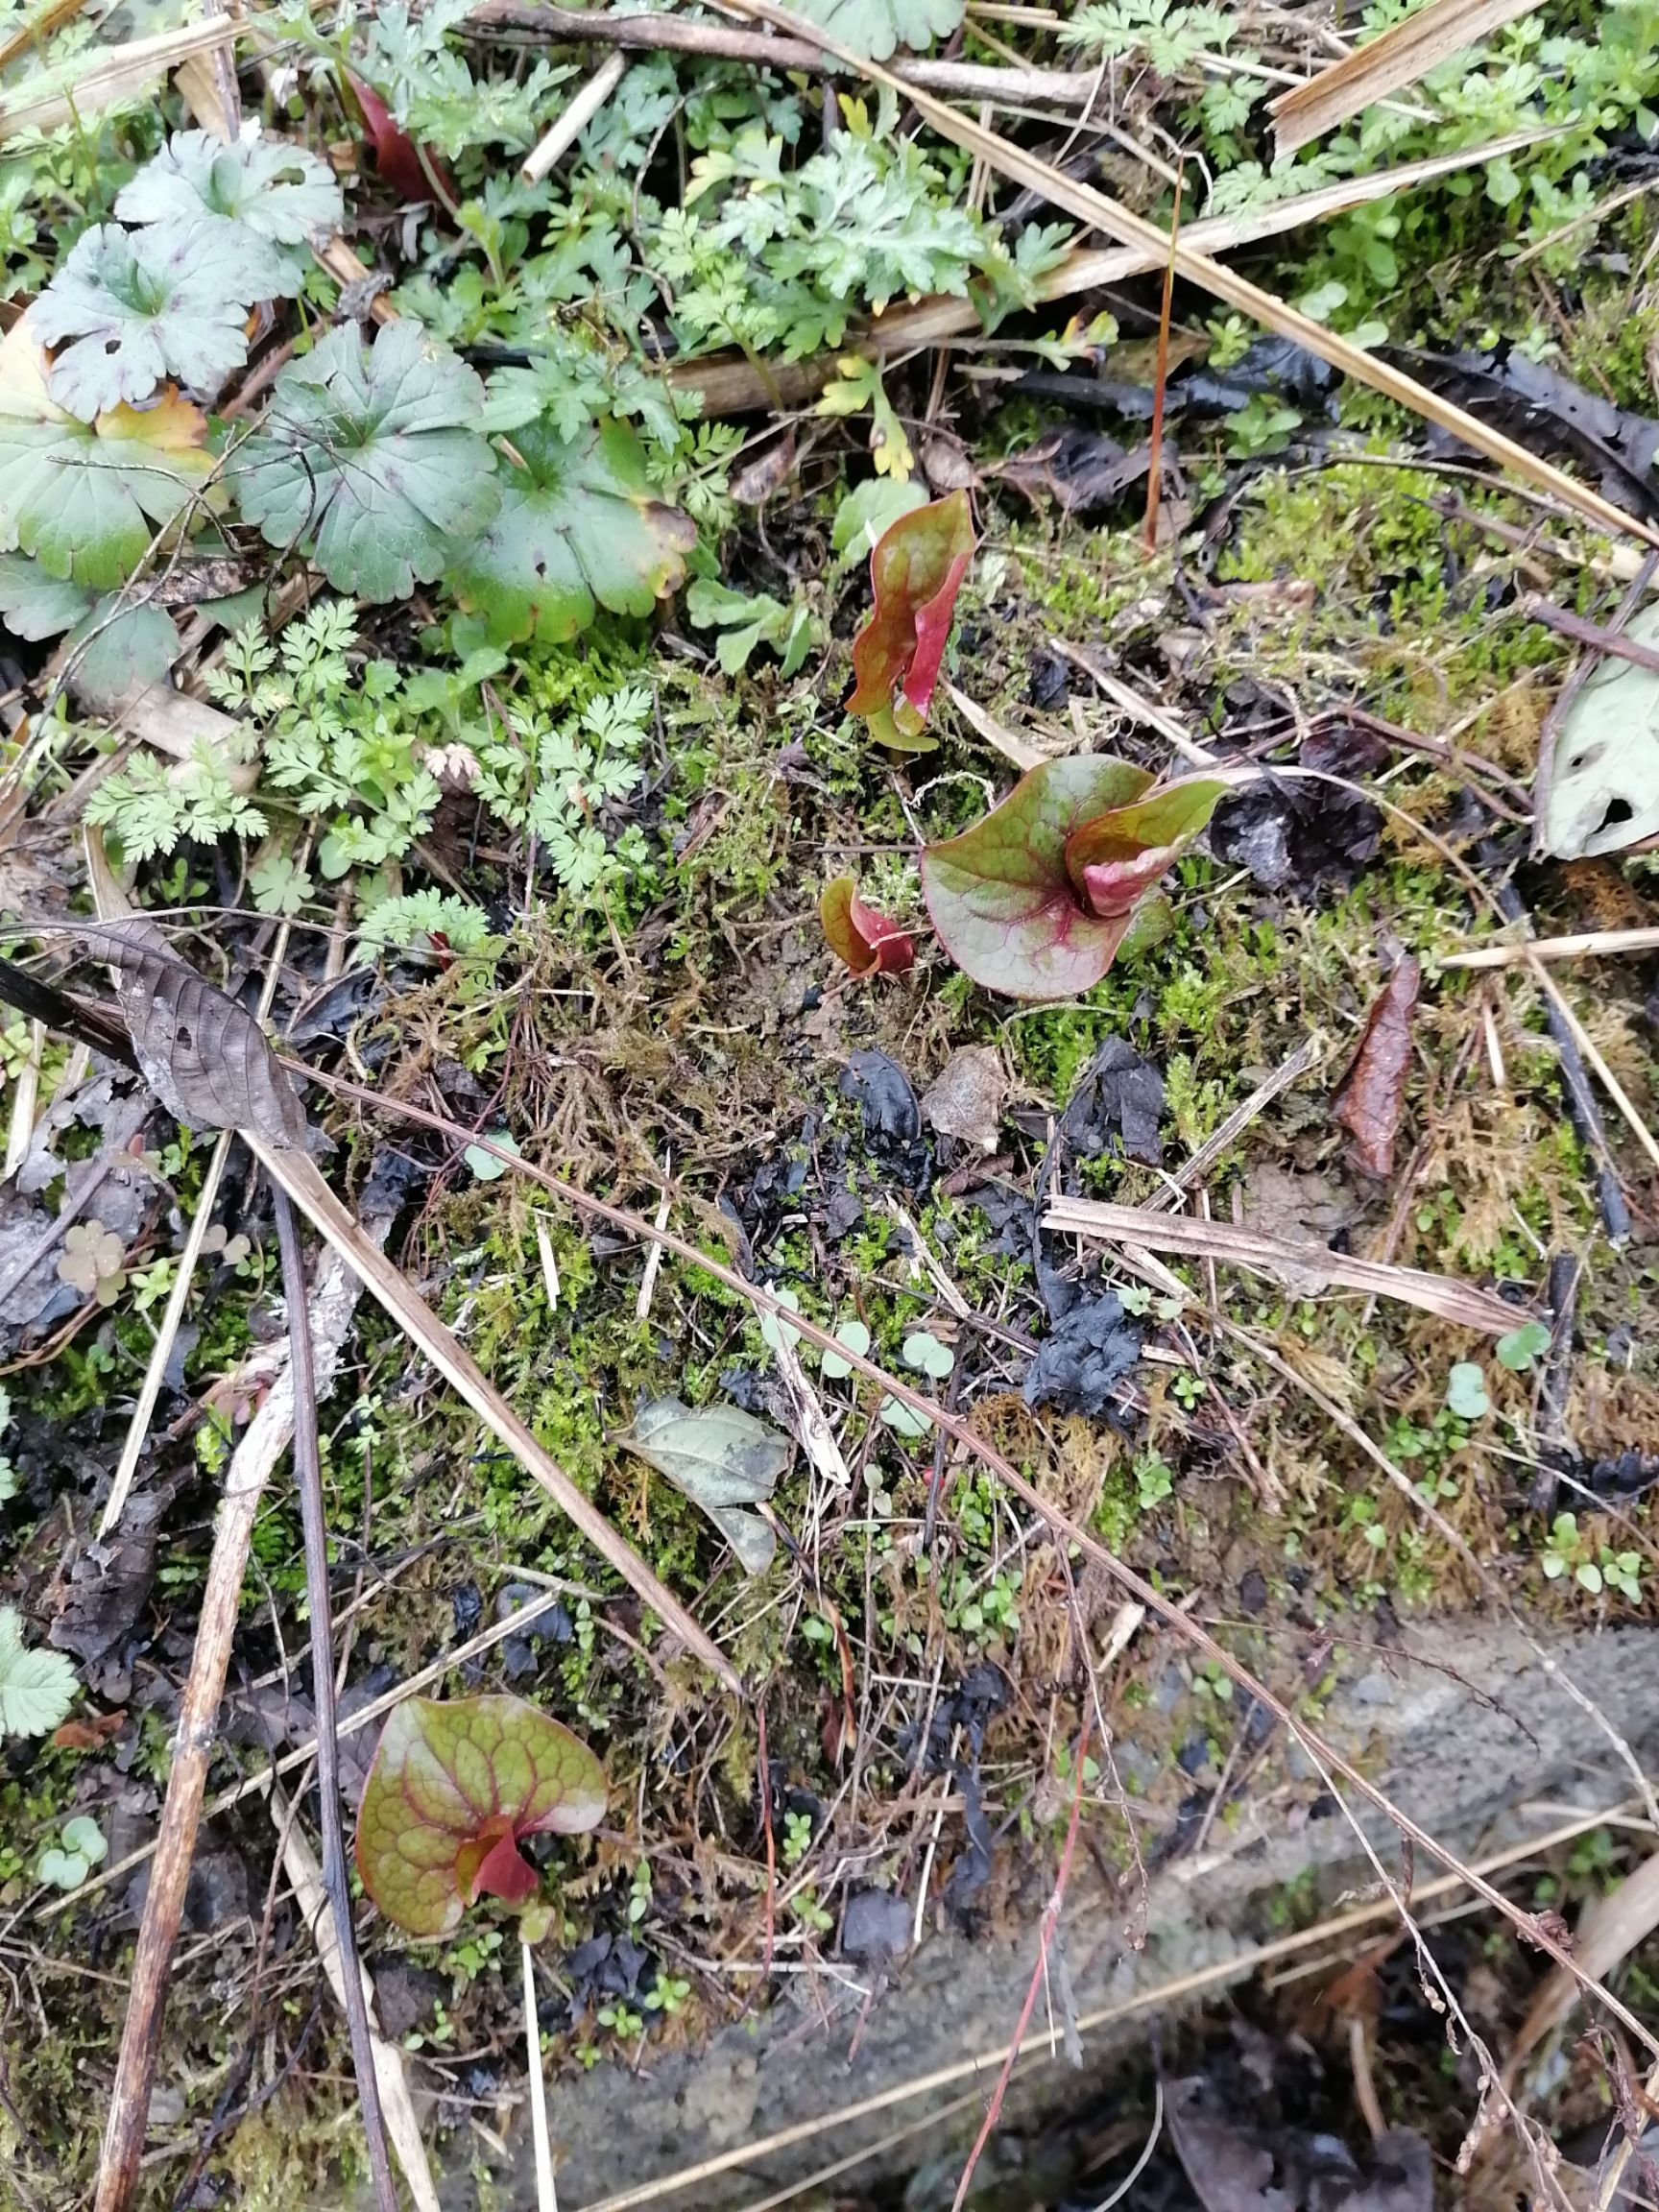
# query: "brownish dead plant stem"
[1059,1525]
[727,42]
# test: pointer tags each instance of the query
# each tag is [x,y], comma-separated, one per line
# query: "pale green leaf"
[37,1688]
[368,459]
[140,306]
[875,26]
[578,528]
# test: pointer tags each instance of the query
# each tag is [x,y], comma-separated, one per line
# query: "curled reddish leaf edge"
[1039,898]
[454,1789]
[396,158]
[916,570]
[868,942]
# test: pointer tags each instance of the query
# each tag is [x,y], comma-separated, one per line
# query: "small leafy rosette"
[455,1788]
[1039,899]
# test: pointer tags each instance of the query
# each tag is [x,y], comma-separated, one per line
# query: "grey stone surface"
[1475,1732]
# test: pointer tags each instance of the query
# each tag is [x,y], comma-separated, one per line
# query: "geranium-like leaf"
[278,191]
[867,941]
[1114,860]
[114,649]
[455,1788]
[85,499]
[578,528]
[915,574]
[1001,897]
[370,461]
[275,188]
[141,305]
[37,1688]
[723,1460]
[874,27]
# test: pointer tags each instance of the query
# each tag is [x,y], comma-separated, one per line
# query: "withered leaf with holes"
[205,1057]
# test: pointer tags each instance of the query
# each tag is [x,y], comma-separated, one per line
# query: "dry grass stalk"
[730,385]
[1307,1055]
[117,74]
[571,125]
[1402,55]
[391,2067]
[1091,206]
[253,1463]
[1301,1267]
[1587,1045]
[1590,945]
[298,1176]
[1610,1929]
[1013,748]
[546,2198]
[1060,1524]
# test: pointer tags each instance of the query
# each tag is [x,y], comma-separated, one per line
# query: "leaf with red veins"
[916,571]
[455,1786]
[868,942]
[1001,897]
[395,159]
[1115,859]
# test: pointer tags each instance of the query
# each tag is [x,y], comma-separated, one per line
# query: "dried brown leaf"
[1371,1094]
[205,1057]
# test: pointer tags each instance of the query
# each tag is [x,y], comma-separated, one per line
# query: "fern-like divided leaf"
[578,529]
[368,459]
[37,1688]
[142,305]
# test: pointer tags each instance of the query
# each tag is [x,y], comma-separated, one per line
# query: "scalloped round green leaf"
[276,188]
[456,1784]
[875,26]
[367,460]
[84,499]
[115,649]
[140,306]
[578,528]
[999,895]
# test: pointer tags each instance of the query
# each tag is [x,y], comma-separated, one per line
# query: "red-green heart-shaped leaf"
[916,571]
[867,941]
[999,895]
[455,1788]
[1116,858]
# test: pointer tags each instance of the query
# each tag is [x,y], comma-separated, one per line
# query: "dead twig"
[1404,55]
[336,1881]
[1302,1267]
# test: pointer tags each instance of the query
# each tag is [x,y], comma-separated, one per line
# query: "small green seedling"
[856,1338]
[1522,1347]
[81,1847]
[928,1355]
[1466,1392]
